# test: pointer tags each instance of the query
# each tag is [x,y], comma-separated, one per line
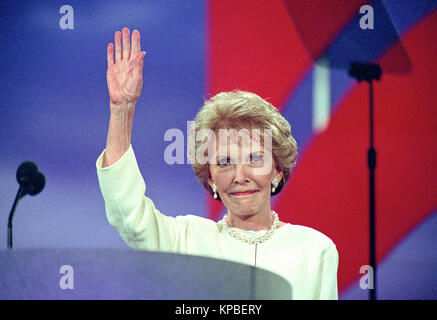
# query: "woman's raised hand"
[125,74]
[125,81]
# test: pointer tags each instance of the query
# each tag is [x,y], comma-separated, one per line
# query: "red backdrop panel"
[329,187]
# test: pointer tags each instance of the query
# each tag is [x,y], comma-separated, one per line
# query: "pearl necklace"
[251,240]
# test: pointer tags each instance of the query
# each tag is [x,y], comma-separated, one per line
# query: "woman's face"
[243,174]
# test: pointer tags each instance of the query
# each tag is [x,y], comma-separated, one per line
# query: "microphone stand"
[21,193]
[370,72]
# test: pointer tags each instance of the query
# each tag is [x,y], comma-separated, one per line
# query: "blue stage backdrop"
[55,112]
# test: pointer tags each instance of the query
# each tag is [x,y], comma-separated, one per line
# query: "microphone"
[31,182]
[30,179]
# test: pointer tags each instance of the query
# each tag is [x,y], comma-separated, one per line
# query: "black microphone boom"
[31,182]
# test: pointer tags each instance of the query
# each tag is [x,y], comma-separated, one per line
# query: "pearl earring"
[274,181]
[214,189]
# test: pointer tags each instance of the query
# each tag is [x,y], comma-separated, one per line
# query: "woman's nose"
[241,173]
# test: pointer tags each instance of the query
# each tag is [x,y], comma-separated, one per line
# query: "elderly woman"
[242,170]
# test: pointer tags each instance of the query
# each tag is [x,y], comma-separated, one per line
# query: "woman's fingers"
[124,48]
[117,41]
[126,43]
[110,54]
[136,46]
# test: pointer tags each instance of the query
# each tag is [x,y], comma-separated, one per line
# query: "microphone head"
[38,183]
[30,179]
[25,173]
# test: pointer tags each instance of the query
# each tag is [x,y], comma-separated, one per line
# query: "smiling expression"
[243,174]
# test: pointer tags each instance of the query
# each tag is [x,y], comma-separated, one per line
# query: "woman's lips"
[245,193]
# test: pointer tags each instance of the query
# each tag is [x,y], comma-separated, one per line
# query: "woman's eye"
[224,162]
[256,159]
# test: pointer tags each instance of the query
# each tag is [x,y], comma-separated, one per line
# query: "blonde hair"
[244,110]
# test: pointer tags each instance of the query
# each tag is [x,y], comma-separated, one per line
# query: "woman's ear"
[210,182]
[278,174]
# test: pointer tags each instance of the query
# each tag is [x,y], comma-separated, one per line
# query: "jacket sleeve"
[134,215]
[329,288]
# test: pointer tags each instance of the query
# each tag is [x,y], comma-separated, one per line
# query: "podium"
[70,274]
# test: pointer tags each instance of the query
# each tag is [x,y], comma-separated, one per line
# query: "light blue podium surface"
[61,274]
